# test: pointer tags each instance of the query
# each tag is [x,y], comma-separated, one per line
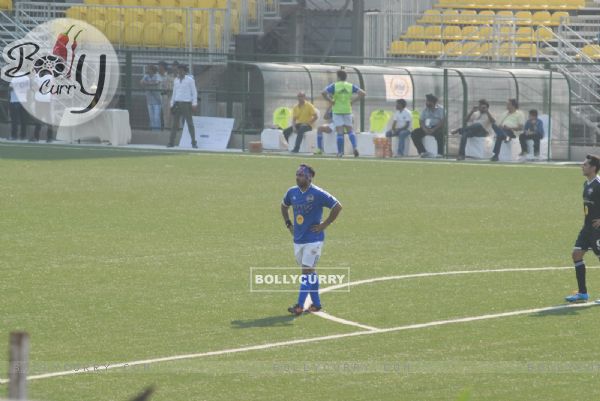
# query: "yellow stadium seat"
[506,49]
[486,50]
[453,49]
[451,32]
[153,3]
[527,50]
[171,16]
[200,17]
[220,4]
[99,25]
[131,3]
[114,14]
[153,33]
[558,17]
[471,49]
[131,15]
[450,17]
[541,18]
[252,9]
[77,12]
[169,3]
[470,33]
[485,33]
[415,32]
[203,39]
[114,31]
[524,34]
[205,3]
[112,2]
[235,21]
[543,33]
[507,33]
[468,17]
[434,49]
[398,47]
[485,17]
[433,32]
[153,15]
[416,48]
[173,35]
[133,34]
[95,13]
[6,5]
[196,37]
[505,17]
[592,51]
[524,17]
[565,4]
[188,3]
[505,4]
[430,17]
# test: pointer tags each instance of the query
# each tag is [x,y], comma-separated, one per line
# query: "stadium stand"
[525,24]
[162,23]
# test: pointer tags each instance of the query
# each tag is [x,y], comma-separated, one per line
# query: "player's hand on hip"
[318,228]
[596,223]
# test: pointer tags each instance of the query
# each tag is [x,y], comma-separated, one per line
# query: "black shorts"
[588,238]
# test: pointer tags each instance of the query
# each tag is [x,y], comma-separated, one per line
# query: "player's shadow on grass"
[271,321]
[566,311]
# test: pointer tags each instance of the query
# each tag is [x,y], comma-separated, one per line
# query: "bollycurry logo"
[63,72]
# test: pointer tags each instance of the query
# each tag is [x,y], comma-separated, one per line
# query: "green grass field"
[112,256]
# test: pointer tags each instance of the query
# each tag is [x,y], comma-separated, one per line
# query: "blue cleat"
[577,298]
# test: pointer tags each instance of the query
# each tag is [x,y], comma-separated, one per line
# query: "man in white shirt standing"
[401,125]
[19,91]
[183,101]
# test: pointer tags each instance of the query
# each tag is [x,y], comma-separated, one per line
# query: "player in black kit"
[589,236]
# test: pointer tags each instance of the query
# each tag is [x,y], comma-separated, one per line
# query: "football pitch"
[130,269]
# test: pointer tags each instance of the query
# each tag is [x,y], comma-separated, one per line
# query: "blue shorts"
[588,238]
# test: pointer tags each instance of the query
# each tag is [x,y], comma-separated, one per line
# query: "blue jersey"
[308,211]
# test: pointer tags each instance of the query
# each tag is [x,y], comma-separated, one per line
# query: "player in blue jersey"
[589,236]
[307,201]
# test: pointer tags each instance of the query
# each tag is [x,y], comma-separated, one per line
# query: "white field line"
[449,273]
[125,365]
[371,331]
[327,316]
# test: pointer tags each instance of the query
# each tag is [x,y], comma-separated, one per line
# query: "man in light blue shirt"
[307,202]
[432,123]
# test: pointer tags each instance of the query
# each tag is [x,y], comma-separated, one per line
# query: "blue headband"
[305,171]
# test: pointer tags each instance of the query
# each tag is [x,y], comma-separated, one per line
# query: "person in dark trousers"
[304,116]
[589,236]
[479,122]
[534,130]
[432,123]
[508,124]
[183,101]
[19,92]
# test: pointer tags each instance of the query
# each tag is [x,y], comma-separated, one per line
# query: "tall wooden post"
[18,366]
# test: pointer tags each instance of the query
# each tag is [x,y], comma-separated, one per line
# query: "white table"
[111,125]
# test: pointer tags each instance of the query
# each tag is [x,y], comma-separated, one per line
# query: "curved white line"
[449,273]
[370,331]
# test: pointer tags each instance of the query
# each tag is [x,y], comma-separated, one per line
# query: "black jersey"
[591,200]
